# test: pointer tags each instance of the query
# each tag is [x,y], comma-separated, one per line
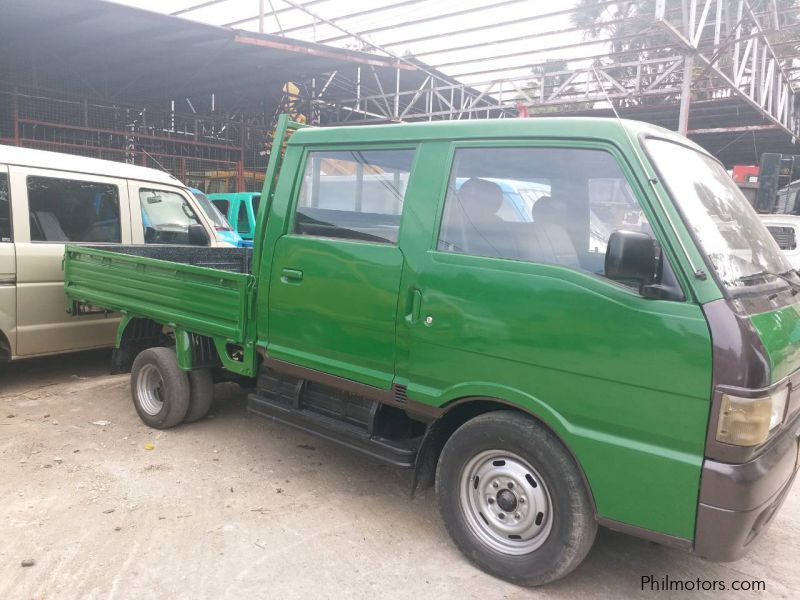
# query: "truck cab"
[624,357]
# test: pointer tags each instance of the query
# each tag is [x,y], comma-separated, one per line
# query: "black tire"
[567,532]
[201,386]
[171,394]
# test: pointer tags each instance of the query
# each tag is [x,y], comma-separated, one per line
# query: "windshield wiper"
[762,274]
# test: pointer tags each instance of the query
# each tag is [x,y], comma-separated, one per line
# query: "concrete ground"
[237,507]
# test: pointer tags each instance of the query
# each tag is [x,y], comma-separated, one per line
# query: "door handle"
[416,304]
[291,276]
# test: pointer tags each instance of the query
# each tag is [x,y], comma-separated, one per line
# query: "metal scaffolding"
[685,51]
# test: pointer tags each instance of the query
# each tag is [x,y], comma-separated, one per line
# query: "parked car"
[785,230]
[222,229]
[241,210]
[48,199]
[544,385]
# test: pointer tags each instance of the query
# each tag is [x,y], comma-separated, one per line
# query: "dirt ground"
[237,507]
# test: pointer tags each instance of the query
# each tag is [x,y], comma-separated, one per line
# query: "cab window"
[354,194]
[242,220]
[5,210]
[68,210]
[222,206]
[166,217]
[544,205]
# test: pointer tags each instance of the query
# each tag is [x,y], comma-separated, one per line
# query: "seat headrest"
[480,197]
[548,210]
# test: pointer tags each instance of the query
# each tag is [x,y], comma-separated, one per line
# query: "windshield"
[220,223]
[740,249]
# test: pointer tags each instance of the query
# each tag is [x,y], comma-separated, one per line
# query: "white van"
[47,199]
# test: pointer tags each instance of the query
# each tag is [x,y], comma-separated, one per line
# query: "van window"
[67,210]
[356,194]
[544,205]
[5,210]
[166,217]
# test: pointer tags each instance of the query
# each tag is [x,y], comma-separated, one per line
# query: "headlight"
[748,421]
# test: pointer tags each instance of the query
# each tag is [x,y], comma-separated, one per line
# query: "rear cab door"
[50,208]
[335,276]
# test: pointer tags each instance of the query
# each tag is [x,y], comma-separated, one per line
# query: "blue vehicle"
[222,228]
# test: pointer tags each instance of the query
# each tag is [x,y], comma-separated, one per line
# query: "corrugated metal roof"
[119,50]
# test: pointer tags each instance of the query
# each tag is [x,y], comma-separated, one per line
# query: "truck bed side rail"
[211,302]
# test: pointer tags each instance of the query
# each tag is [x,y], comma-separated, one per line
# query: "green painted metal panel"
[206,301]
[779,331]
[340,317]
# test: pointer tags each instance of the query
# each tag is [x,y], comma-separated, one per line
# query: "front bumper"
[738,501]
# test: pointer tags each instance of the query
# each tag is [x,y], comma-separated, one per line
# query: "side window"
[66,210]
[5,210]
[356,194]
[783,234]
[242,222]
[545,205]
[166,217]
[222,206]
[256,203]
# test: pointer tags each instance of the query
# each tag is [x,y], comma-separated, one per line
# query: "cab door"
[52,208]
[518,308]
[335,275]
[8,272]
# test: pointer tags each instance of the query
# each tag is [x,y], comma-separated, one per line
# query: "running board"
[336,430]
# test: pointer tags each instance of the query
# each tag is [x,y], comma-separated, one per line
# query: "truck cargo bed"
[204,290]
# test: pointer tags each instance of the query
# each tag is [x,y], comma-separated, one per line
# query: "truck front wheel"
[513,499]
[160,389]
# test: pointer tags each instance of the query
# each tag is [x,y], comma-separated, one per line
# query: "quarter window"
[242,220]
[222,206]
[354,194]
[5,210]
[545,205]
[166,217]
[67,210]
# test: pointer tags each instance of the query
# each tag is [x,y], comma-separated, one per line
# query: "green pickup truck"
[615,344]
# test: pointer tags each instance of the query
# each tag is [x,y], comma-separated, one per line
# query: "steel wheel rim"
[505,502]
[149,384]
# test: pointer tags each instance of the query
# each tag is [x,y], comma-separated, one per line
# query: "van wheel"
[201,386]
[513,499]
[159,388]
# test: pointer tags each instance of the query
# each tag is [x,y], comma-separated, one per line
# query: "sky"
[523,35]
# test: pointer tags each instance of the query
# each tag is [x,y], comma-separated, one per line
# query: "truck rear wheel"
[160,389]
[513,499]
[201,386]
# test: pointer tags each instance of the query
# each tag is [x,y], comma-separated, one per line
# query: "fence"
[212,152]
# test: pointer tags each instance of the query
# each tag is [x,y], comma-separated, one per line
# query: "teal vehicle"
[240,209]
[222,228]
[627,357]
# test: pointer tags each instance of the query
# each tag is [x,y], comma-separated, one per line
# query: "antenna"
[153,158]
[653,180]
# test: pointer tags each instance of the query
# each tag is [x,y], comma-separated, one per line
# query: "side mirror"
[631,256]
[198,236]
